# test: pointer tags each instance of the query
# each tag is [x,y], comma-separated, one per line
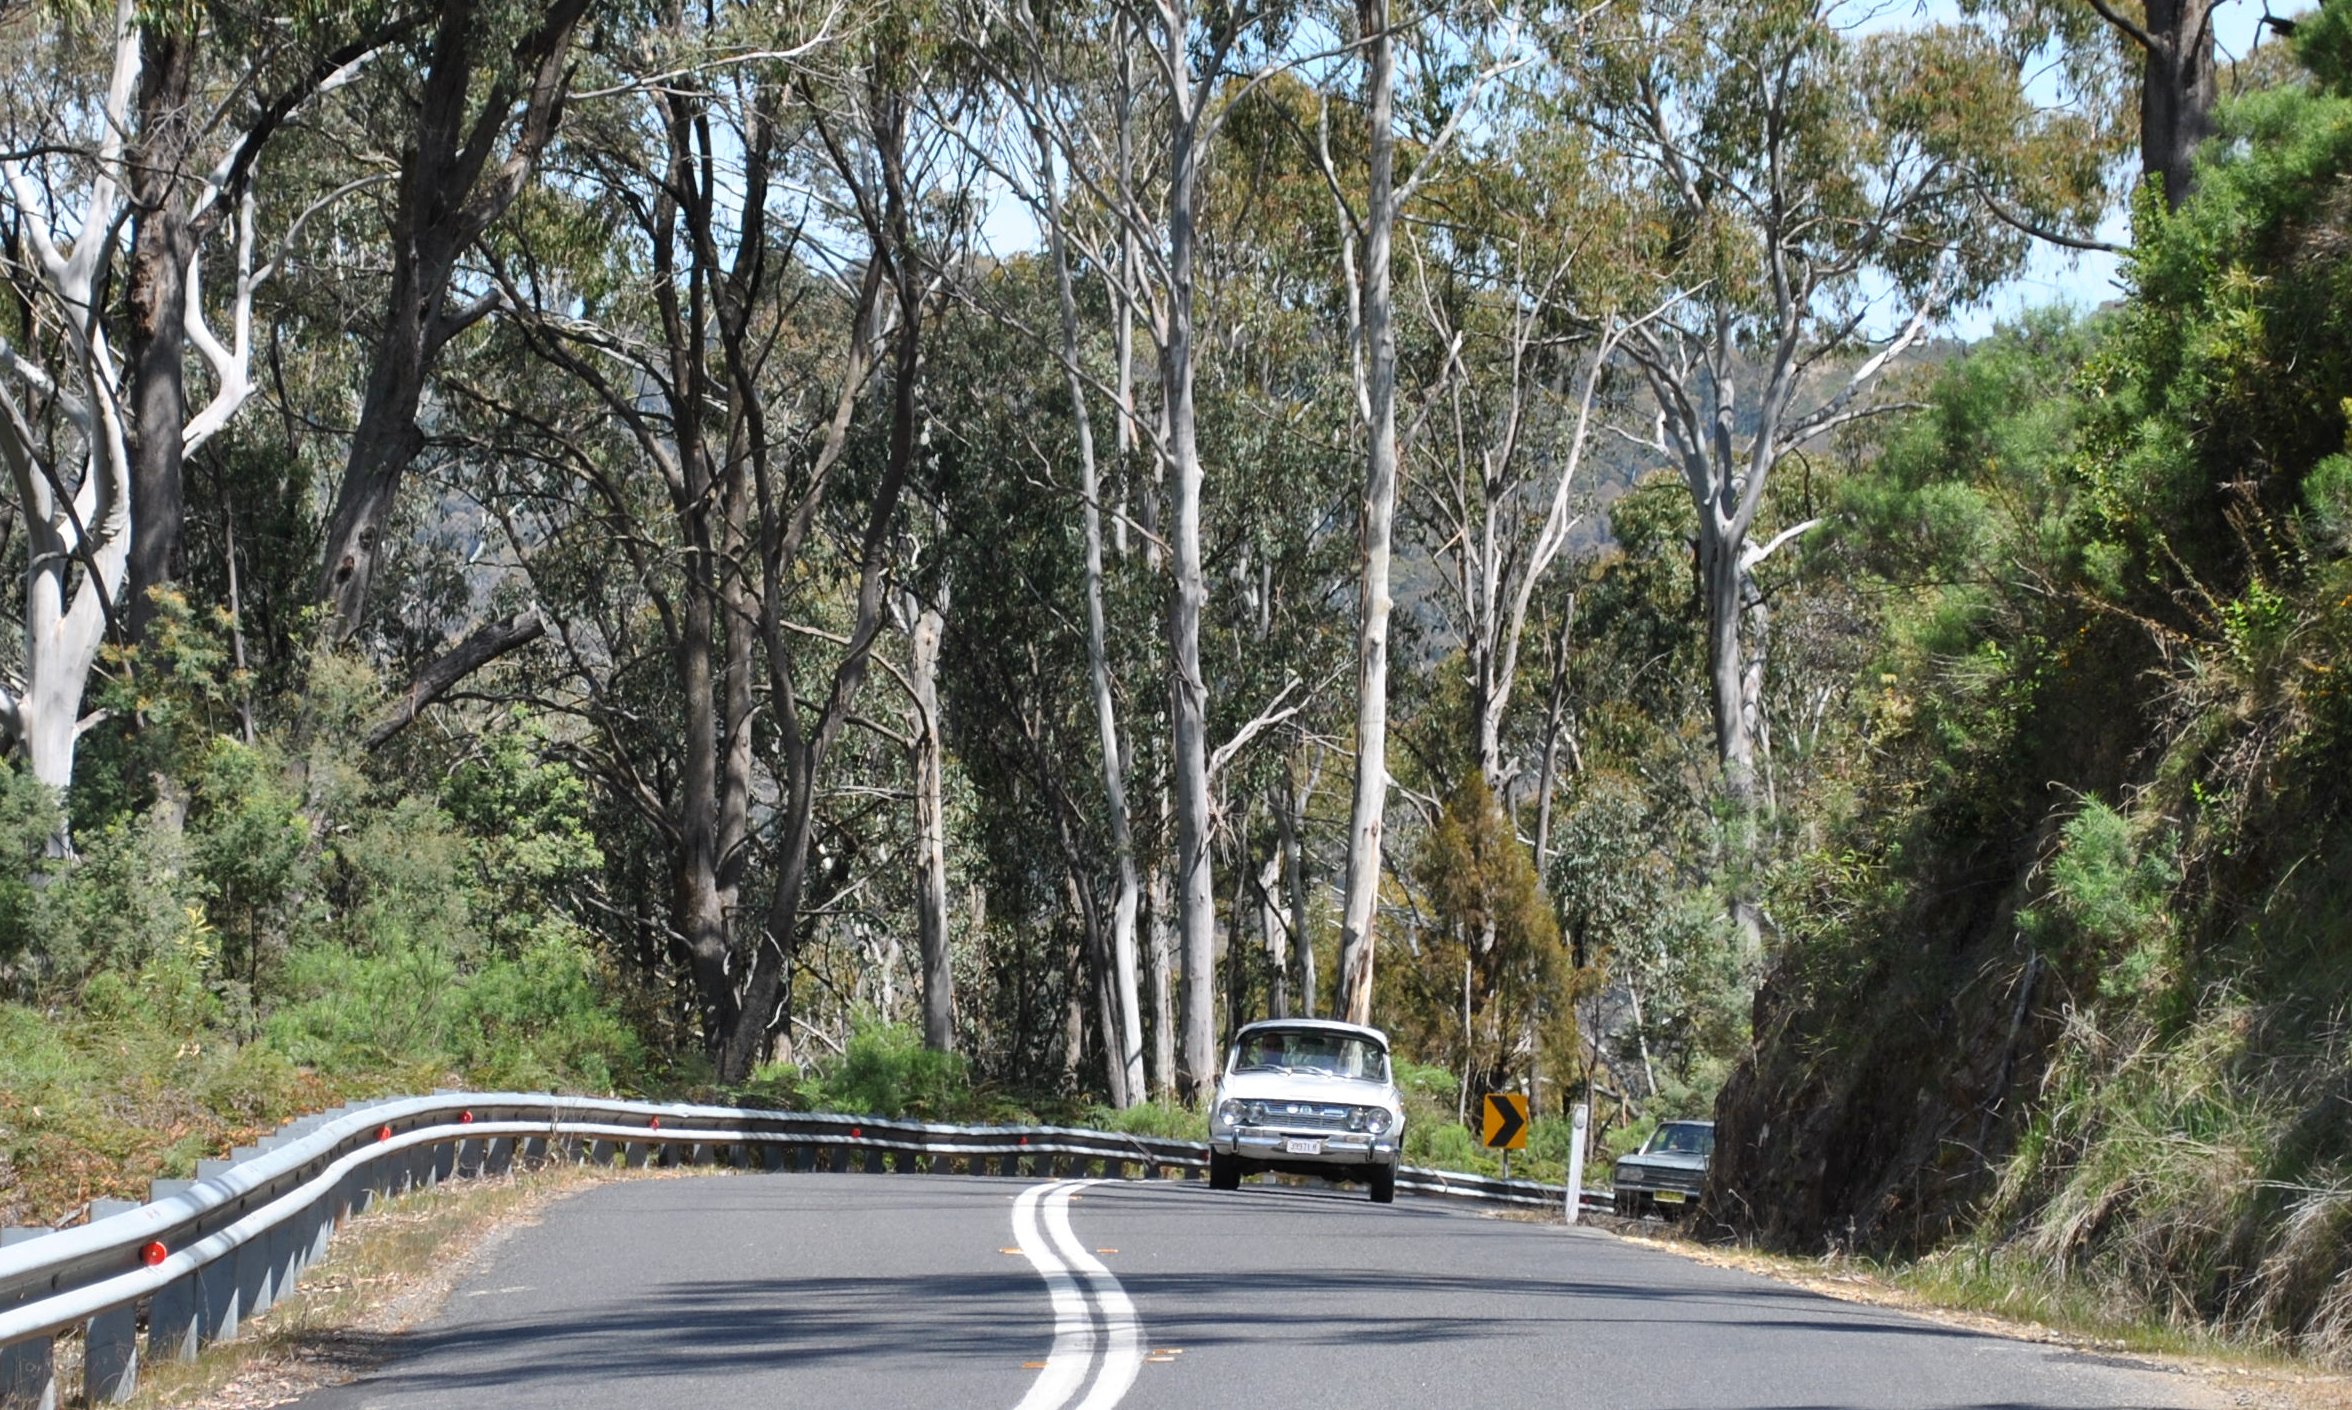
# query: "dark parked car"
[1667,1173]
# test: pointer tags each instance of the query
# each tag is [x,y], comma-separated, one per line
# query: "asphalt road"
[855,1291]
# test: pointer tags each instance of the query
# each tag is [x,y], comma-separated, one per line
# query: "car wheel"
[1224,1171]
[1384,1184]
[1621,1204]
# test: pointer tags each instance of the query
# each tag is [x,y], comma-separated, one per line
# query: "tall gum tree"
[490,92]
[95,416]
[1813,194]
[1367,276]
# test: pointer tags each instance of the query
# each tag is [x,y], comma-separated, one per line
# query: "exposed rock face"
[1879,1098]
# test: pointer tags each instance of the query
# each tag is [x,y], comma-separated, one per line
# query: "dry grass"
[2244,1376]
[385,1272]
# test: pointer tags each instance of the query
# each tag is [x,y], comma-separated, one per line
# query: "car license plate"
[1668,1197]
[1297,1146]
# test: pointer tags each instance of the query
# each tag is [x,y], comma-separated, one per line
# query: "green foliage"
[2111,889]
[884,1070]
[1159,1120]
[2100,818]
[1490,972]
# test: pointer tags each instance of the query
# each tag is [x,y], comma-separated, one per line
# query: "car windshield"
[1313,1051]
[1682,1138]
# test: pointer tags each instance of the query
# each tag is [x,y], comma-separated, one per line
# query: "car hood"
[1287,1087]
[1666,1160]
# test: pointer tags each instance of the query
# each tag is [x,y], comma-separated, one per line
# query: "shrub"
[885,1070]
[542,1019]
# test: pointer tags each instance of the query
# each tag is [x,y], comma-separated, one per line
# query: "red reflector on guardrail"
[856,1133]
[1024,1140]
[383,1133]
[654,1125]
[465,1118]
[153,1253]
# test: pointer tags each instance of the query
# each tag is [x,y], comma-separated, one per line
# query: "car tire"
[1224,1171]
[1384,1184]
[1621,1204]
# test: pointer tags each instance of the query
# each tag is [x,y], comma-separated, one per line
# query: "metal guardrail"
[205,1254]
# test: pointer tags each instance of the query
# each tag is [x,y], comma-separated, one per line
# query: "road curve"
[896,1291]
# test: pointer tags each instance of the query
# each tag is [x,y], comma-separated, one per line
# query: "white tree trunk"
[1127,903]
[78,517]
[1366,817]
[931,831]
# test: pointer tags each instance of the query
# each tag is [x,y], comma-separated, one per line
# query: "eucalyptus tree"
[1453,66]
[490,82]
[1056,78]
[1523,326]
[769,274]
[1190,53]
[1813,193]
[2116,71]
[122,124]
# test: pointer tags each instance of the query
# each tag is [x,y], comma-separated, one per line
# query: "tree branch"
[485,644]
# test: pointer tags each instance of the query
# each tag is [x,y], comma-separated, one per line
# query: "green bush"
[542,1019]
[885,1070]
[1158,1120]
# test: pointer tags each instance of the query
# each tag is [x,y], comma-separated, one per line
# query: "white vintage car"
[1308,1097]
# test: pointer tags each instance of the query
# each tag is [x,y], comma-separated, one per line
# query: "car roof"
[1687,1121]
[1319,1025]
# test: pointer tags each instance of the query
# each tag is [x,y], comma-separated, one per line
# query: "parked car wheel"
[1384,1184]
[1224,1171]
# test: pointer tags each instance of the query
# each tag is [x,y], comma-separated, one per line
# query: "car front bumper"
[1279,1148]
[1657,1187]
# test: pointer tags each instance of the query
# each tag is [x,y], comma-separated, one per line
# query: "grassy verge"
[1992,1298]
[385,1272]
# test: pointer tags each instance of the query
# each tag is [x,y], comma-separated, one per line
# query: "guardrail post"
[256,1277]
[28,1369]
[321,1222]
[634,1153]
[110,1345]
[219,1300]
[173,1313]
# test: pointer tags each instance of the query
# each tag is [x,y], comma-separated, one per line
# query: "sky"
[2055,276]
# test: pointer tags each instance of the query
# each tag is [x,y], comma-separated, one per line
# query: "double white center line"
[1080,1303]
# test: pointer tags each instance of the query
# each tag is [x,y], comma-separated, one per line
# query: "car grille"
[1653,1178]
[1306,1116]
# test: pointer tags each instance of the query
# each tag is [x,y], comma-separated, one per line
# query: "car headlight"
[1254,1113]
[1228,1113]
[1375,1119]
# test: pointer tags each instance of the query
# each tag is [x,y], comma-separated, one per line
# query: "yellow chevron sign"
[1504,1121]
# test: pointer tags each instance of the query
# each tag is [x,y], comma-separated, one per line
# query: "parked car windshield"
[1311,1050]
[1682,1138]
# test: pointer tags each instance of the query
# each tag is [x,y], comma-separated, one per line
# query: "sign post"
[1583,1119]
[1503,1124]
